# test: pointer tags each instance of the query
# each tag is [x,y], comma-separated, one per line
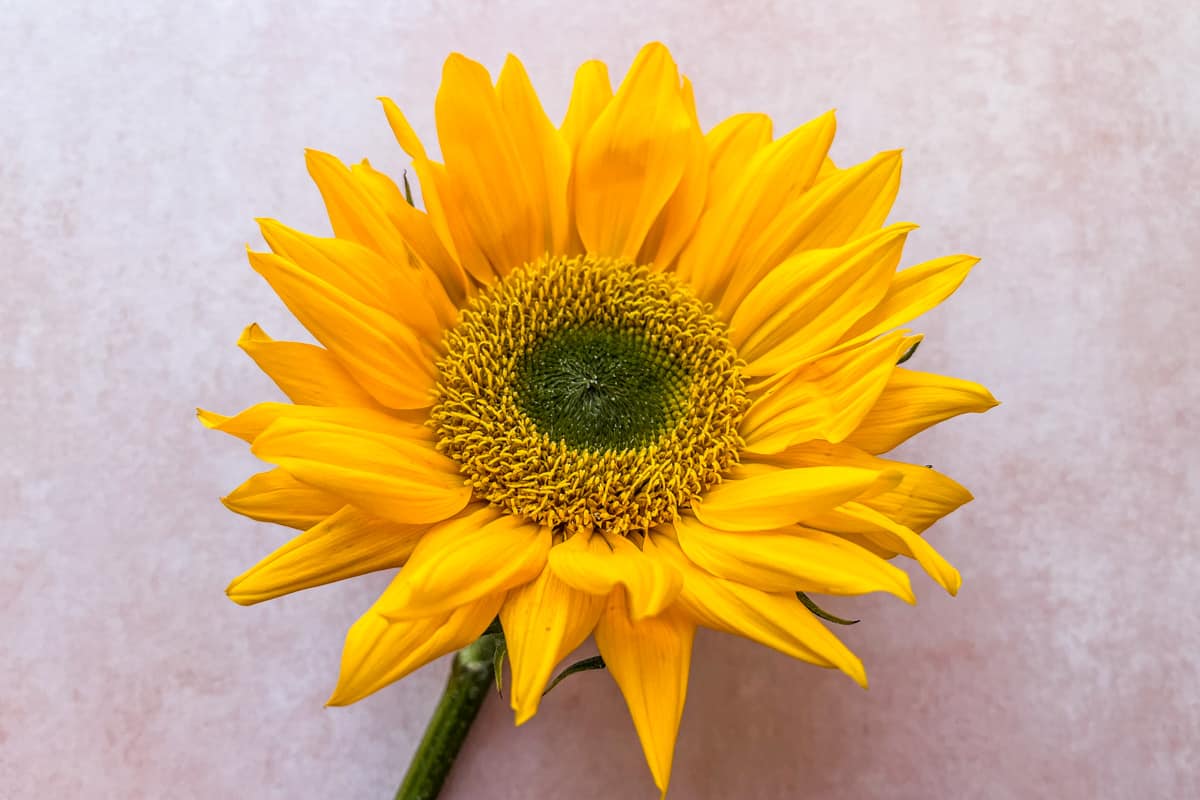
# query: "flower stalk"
[471,678]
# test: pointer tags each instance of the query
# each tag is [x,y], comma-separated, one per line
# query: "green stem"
[469,683]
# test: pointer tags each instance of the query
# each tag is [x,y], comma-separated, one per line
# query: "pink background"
[1056,140]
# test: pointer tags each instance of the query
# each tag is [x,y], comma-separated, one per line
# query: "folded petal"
[275,496]
[347,544]
[379,469]
[480,552]
[650,660]
[543,153]
[913,291]
[885,532]
[543,620]
[633,157]
[805,305]
[922,497]
[913,401]
[597,563]
[777,175]
[383,354]
[793,559]
[778,620]
[846,206]
[307,374]
[778,497]
[826,399]
[378,652]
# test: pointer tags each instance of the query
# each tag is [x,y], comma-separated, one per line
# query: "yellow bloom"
[621,377]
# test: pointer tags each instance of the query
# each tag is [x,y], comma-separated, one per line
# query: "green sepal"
[822,613]
[498,664]
[408,191]
[583,665]
[909,353]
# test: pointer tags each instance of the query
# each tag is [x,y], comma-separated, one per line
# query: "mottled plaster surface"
[1056,140]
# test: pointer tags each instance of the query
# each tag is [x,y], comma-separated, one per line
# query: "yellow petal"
[922,497]
[597,563]
[807,303]
[543,153]
[380,470]
[428,174]
[913,401]
[275,496]
[632,158]
[913,292]
[649,659]
[850,204]
[248,424]
[781,497]
[778,621]
[493,206]
[307,374]
[378,653]
[355,214]
[823,400]
[543,621]
[790,560]
[407,292]
[383,354]
[347,544]
[731,146]
[778,174]
[591,92]
[887,533]
[417,230]
[480,552]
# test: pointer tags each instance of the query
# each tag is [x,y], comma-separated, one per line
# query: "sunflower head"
[619,377]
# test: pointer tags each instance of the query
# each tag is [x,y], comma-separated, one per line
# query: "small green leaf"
[583,665]
[823,614]
[498,665]
[408,191]
[907,355]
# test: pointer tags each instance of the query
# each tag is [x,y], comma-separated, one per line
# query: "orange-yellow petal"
[544,620]
[731,145]
[479,552]
[275,496]
[650,660]
[597,563]
[913,292]
[307,374]
[780,497]
[347,544]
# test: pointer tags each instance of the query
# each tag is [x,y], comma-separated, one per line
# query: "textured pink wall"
[1056,140]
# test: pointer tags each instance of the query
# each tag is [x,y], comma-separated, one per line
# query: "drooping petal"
[913,401]
[480,552]
[848,205]
[913,292]
[493,209]
[778,621]
[650,660]
[804,305]
[789,560]
[597,563]
[632,158]
[307,374]
[858,518]
[383,354]
[543,153]
[922,497]
[543,621]
[731,145]
[275,496]
[776,498]
[778,174]
[347,544]
[823,400]
[378,469]
[378,652]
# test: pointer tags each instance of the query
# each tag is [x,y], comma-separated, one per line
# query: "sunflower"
[619,378]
